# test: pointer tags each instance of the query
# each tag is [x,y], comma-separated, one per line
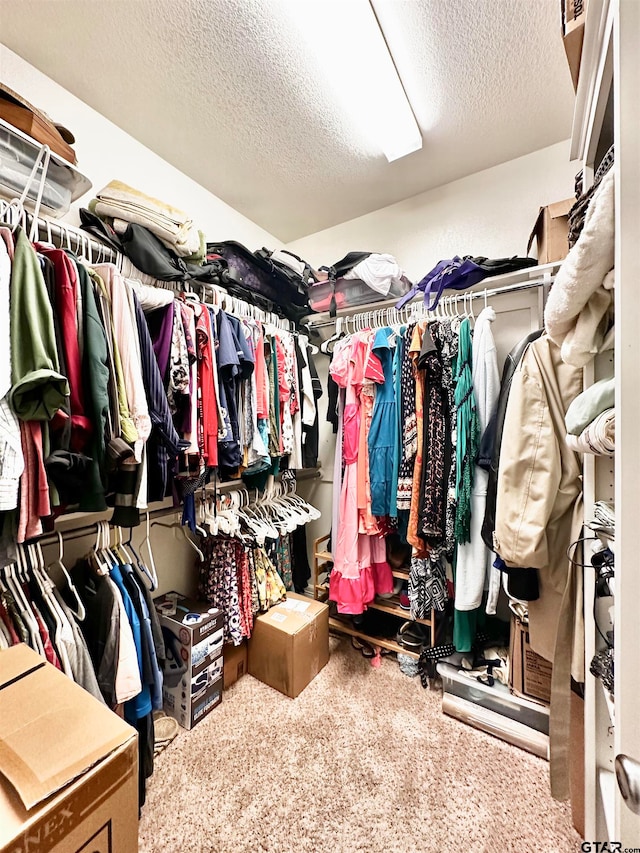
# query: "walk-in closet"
[318,459]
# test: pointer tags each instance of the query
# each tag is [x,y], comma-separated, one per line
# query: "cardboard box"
[529,674]
[195,696]
[68,765]
[235,663]
[573,17]
[551,230]
[290,644]
[197,627]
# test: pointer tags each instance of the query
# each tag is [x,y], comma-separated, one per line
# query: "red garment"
[15,639]
[29,524]
[66,277]
[49,651]
[206,389]
[262,382]
[284,392]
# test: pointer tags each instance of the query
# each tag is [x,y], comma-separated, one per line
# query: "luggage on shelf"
[258,279]
[357,279]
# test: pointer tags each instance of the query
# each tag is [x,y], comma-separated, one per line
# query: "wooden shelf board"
[392,606]
[403,574]
[323,555]
[342,628]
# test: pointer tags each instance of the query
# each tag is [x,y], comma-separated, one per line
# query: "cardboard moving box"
[198,631]
[551,230]
[529,674]
[68,765]
[235,663]
[290,644]
[573,18]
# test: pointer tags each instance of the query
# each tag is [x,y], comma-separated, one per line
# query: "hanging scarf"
[468,435]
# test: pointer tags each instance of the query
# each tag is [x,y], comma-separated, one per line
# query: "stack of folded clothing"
[121,204]
[591,420]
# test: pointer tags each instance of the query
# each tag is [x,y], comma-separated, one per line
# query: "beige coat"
[538,516]
[539,506]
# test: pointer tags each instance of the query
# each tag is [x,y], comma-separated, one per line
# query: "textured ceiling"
[230,92]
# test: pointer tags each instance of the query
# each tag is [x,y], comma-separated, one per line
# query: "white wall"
[489,213]
[105,152]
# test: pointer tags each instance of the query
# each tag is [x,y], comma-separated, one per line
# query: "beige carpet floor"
[363,761]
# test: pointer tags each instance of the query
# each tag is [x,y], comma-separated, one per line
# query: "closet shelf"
[594,82]
[343,628]
[513,281]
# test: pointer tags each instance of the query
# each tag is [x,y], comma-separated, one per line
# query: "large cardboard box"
[529,674]
[290,644]
[235,663]
[573,18]
[198,631]
[551,230]
[68,765]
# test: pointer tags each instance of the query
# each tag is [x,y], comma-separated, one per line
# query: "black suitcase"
[250,275]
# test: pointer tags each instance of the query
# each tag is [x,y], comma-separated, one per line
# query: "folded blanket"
[598,438]
[124,204]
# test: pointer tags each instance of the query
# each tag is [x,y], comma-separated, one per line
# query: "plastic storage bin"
[495,710]
[351,292]
[63,184]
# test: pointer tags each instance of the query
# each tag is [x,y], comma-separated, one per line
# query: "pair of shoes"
[404,598]
[411,636]
[365,649]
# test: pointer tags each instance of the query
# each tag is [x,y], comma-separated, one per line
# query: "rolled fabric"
[598,438]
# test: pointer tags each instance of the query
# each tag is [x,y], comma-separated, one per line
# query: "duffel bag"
[257,275]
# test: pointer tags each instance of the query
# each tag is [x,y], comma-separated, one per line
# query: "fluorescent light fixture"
[356,62]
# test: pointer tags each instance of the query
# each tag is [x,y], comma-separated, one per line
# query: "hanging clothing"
[382,441]
[468,436]
[474,560]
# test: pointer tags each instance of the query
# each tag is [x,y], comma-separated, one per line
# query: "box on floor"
[235,663]
[193,685]
[290,644]
[529,674]
[551,231]
[68,765]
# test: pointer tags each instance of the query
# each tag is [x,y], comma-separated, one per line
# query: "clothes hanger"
[80,611]
[177,525]
[147,567]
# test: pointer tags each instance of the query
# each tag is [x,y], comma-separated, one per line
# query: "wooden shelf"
[391,605]
[325,556]
[402,574]
[343,628]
